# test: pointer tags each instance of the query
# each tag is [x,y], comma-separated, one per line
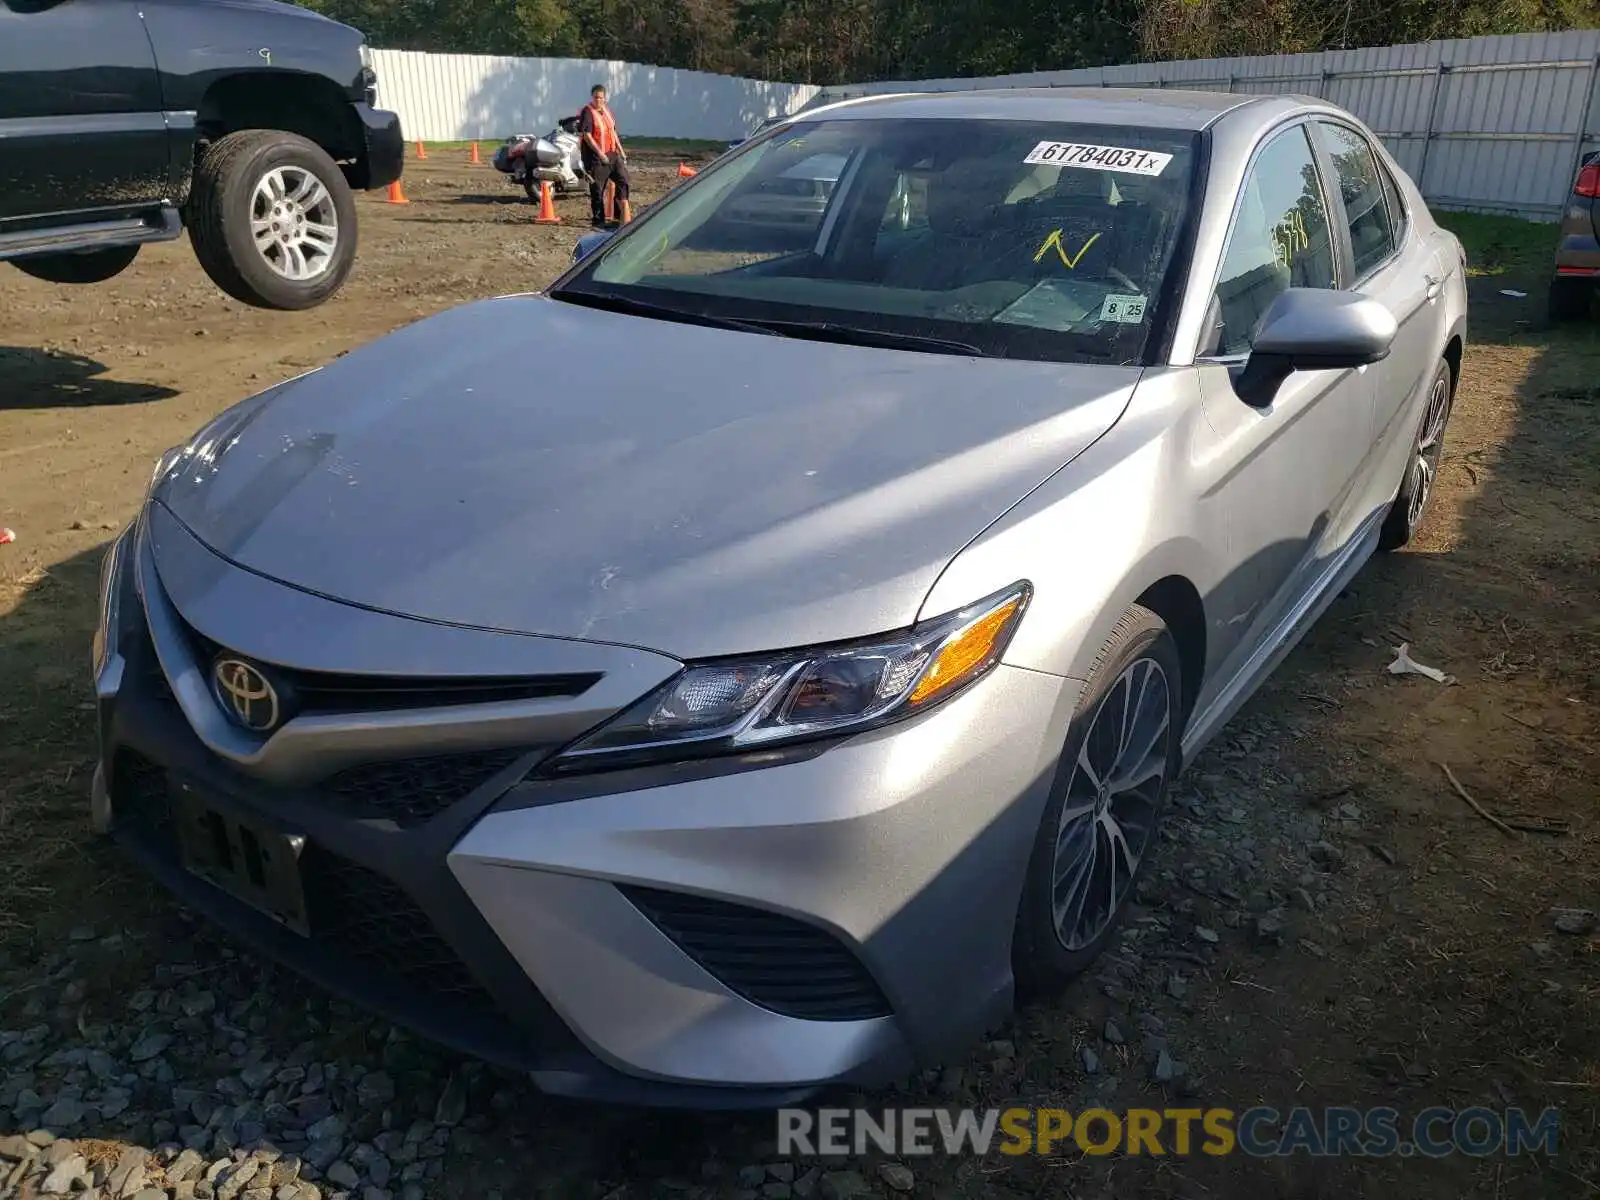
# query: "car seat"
[964,221]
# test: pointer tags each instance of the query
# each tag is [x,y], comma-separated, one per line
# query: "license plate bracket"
[251,860]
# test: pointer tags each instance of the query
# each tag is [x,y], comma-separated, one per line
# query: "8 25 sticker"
[1098,158]
[1124,310]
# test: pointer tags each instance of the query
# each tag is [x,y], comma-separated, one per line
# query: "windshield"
[1021,239]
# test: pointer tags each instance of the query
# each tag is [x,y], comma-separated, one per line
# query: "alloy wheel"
[1111,804]
[294,223]
[1430,448]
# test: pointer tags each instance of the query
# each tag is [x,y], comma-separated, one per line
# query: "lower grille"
[367,920]
[370,919]
[139,793]
[784,965]
[414,790]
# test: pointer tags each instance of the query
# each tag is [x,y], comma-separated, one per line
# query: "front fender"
[1096,536]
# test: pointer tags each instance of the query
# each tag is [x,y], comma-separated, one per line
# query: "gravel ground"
[1326,921]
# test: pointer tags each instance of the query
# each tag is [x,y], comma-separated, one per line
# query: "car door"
[1283,498]
[81,125]
[1391,265]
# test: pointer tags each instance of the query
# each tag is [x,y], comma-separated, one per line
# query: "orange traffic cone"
[685,171]
[421,151]
[396,194]
[547,206]
[475,160]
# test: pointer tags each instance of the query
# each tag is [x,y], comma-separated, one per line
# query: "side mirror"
[589,243]
[1313,329]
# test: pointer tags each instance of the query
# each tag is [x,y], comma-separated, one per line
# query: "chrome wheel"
[1111,803]
[1430,448]
[294,223]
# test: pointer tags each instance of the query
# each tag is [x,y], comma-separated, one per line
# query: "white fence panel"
[447,97]
[1489,123]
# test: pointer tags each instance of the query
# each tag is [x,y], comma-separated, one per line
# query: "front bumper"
[738,933]
[385,156]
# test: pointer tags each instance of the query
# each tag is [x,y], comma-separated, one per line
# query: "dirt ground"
[1330,922]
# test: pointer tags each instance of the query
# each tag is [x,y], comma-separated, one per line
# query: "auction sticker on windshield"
[1098,158]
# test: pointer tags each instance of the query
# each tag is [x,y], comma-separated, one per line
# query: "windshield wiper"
[822,331]
[645,308]
[850,335]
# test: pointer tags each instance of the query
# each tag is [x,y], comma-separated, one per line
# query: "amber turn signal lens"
[967,652]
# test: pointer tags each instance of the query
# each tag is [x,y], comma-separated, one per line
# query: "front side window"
[1280,239]
[1372,235]
[1021,239]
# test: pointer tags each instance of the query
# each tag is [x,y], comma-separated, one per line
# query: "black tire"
[88,266]
[531,186]
[1406,514]
[1569,299]
[220,209]
[1041,959]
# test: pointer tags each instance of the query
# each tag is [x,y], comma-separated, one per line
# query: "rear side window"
[1397,206]
[1280,239]
[1361,188]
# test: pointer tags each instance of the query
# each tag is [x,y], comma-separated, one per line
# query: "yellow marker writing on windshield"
[1054,241]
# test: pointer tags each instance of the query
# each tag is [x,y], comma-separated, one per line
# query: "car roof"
[1162,108]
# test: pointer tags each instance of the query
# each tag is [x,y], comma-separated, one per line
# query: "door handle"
[1433,286]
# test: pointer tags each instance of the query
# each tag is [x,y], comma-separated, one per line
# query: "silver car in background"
[762,706]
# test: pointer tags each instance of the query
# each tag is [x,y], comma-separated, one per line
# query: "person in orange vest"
[603,155]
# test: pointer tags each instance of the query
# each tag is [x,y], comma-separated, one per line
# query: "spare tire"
[272,220]
[83,266]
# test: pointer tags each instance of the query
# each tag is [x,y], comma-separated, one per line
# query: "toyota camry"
[797,674]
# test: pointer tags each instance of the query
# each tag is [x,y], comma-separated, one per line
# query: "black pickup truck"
[247,121]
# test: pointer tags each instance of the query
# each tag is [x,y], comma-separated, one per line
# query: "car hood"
[534,466]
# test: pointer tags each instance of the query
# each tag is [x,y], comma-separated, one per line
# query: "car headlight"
[750,703]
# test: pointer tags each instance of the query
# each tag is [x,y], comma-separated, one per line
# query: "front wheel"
[1121,755]
[1422,469]
[272,219]
[91,266]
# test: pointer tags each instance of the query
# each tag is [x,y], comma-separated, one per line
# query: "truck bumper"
[386,148]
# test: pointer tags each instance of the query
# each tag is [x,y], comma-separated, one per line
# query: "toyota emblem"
[246,695]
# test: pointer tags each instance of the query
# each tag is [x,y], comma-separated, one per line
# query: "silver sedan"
[803,663]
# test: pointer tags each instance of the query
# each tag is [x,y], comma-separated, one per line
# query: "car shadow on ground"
[507,197]
[33,378]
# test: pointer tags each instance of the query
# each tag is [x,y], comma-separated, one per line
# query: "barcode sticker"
[1098,158]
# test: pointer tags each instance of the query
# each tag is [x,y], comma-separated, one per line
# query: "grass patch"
[1499,245]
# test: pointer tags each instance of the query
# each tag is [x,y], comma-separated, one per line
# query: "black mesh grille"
[411,791]
[358,913]
[327,692]
[779,963]
[371,920]
[139,792]
[406,791]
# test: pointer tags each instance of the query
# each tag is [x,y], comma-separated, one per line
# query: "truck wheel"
[272,220]
[91,266]
[1569,298]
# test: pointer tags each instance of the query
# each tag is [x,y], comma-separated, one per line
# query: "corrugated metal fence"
[1490,123]
[444,97]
